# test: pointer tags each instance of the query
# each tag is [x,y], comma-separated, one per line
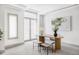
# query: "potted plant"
[55,24]
[1,33]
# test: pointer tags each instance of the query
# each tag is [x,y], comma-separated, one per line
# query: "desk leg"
[57,44]
[33,45]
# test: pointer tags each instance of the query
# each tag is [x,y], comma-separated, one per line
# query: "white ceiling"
[44,8]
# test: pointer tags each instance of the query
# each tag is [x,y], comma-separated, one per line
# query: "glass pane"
[26,29]
[33,29]
[30,15]
[13,26]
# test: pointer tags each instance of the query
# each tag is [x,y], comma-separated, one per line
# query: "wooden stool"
[45,45]
[37,43]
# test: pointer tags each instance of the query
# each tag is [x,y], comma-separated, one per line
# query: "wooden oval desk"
[56,39]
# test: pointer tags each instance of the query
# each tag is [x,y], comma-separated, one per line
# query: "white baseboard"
[70,43]
[13,45]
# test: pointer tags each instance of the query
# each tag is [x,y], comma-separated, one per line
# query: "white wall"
[71,37]
[41,23]
[14,10]
[2,28]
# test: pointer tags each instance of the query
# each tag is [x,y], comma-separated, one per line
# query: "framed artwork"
[67,24]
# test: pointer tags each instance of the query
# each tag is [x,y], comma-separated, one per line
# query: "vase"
[55,33]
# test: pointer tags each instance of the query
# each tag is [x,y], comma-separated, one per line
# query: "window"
[30,25]
[13,24]
[26,29]
[33,29]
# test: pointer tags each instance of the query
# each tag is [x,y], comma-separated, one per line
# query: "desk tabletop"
[51,36]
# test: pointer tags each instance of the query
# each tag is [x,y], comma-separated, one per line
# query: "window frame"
[31,12]
[16,26]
